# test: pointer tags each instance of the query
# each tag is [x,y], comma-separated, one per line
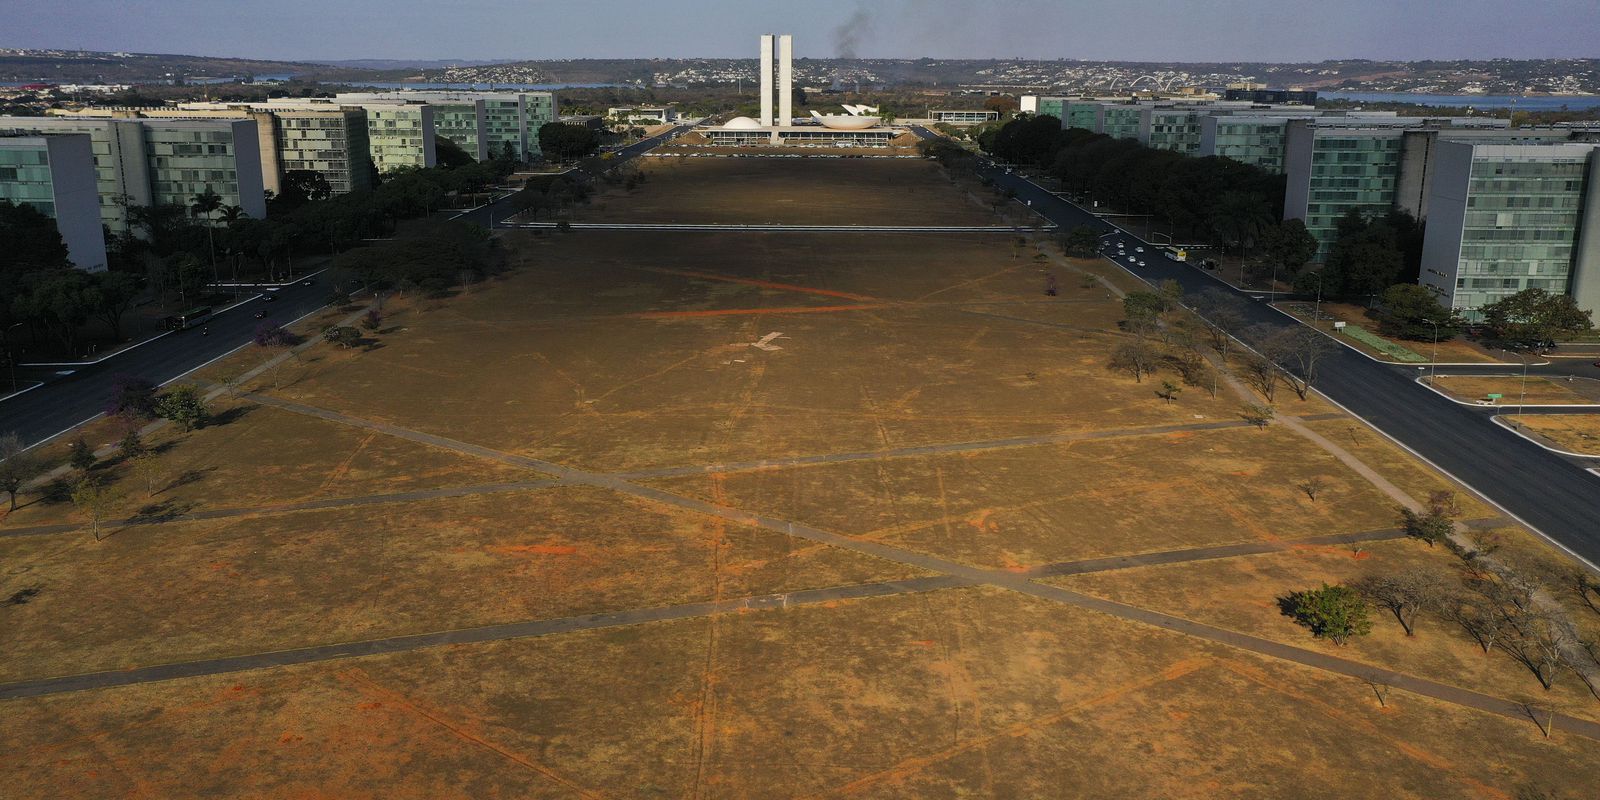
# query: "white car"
[1138,249]
[1132,260]
[1141,263]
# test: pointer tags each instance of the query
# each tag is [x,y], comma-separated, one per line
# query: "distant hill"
[1498,76]
[412,64]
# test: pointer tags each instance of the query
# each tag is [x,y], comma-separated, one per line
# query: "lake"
[1539,103]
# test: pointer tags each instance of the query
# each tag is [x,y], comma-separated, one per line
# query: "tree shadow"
[186,478]
[22,596]
[230,416]
[164,511]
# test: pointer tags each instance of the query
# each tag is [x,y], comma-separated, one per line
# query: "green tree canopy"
[1534,317]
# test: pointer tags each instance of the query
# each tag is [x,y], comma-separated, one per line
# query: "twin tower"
[784,79]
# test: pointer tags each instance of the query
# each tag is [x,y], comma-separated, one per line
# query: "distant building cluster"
[1507,209]
[87,168]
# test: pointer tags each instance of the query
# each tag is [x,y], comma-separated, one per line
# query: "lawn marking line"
[1500,419]
[969,282]
[359,676]
[915,764]
[737,312]
[787,287]
[998,578]
[304,505]
[38,687]
[929,449]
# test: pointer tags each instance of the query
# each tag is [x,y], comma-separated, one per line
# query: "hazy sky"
[1148,30]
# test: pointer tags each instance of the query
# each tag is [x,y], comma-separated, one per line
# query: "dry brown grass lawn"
[1577,433]
[634,352]
[963,692]
[1241,594]
[1539,391]
[1024,507]
[198,590]
[799,191]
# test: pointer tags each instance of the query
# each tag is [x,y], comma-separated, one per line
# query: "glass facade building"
[1175,129]
[55,175]
[400,135]
[1258,141]
[1333,171]
[332,143]
[1504,218]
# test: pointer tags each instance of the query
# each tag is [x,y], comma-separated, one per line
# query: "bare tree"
[1136,358]
[1312,486]
[94,500]
[1581,581]
[17,466]
[1299,350]
[1540,641]
[1223,313]
[1262,375]
[1257,415]
[1380,687]
[1405,594]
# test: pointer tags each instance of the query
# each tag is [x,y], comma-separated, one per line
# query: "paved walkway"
[520,630]
[283,508]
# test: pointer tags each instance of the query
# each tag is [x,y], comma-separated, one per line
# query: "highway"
[1551,493]
[73,395]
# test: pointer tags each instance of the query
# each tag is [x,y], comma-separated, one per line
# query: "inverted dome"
[741,124]
[846,122]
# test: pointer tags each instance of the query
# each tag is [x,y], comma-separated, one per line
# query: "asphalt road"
[74,395]
[1552,493]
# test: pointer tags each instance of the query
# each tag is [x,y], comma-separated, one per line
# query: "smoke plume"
[848,36]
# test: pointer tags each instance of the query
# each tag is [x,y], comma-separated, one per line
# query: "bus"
[1177,254]
[188,319]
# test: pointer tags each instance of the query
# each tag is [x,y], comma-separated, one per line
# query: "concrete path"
[771,228]
[932,449]
[283,508]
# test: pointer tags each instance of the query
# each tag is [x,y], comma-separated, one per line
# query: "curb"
[1499,420]
[109,356]
[1437,391]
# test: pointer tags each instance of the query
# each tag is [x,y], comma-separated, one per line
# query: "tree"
[148,468]
[372,320]
[1136,358]
[110,295]
[1169,391]
[94,500]
[17,467]
[132,446]
[183,406]
[1288,246]
[132,398]
[80,455]
[232,215]
[1256,414]
[1336,613]
[1411,311]
[1081,241]
[1540,641]
[302,185]
[1223,312]
[1534,318]
[946,152]
[1312,486]
[1143,306]
[449,154]
[204,205]
[32,241]
[59,302]
[1367,257]
[343,336]
[1404,594]
[567,142]
[1435,522]
[1262,375]
[1301,349]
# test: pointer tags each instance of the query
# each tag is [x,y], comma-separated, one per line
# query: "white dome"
[741,124]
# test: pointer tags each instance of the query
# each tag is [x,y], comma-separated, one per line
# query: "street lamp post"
[1433,366]
[1316,315]
[11,363]
[1522,398]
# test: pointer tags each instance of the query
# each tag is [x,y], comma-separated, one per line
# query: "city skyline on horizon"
[1281,31]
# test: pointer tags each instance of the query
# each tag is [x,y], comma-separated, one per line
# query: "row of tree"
[179,249]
